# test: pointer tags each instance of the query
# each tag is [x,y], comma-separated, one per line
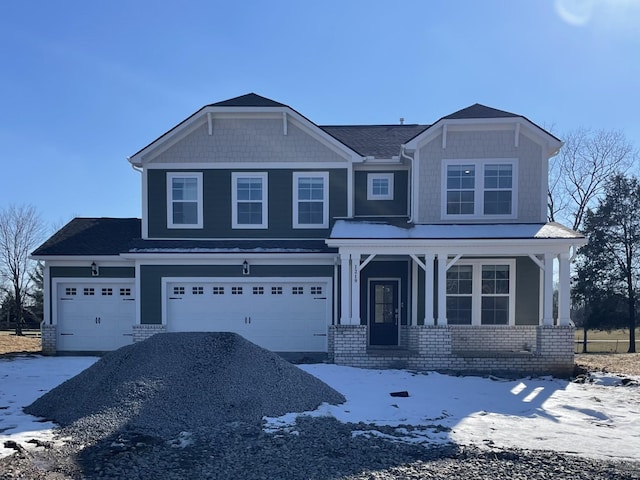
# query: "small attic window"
[380,186]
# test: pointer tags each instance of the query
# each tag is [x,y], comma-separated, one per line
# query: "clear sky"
[85,84]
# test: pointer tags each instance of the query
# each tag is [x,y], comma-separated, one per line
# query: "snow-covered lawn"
[599,420]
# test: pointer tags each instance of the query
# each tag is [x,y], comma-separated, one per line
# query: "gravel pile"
[177,382]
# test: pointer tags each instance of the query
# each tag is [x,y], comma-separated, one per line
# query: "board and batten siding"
[150,295]
[477,146]
[217,214]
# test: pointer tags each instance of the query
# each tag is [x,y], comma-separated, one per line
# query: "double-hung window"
[481,293]
[479,189]
[184,194]
[311,200]
[249,200]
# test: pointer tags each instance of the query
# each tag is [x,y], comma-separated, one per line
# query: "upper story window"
[184,209]
[380,186]
[479,188]
[311,200]
[249,202]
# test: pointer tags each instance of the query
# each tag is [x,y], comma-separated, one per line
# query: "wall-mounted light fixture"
[94,269]
[245,268]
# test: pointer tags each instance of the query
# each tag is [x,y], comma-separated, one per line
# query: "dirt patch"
[11,343]
[622,363]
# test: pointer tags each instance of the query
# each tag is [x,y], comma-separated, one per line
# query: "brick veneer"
[511,350]
[142,332]
[48,334]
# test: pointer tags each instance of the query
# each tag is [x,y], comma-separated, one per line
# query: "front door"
[384,312]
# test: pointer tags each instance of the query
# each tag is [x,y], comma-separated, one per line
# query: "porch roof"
[368,230]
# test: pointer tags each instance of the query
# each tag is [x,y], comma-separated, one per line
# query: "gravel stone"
[182,406]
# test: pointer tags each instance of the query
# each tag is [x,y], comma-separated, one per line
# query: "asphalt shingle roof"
[380,141]
[92,236]
[479,111]
[248,100]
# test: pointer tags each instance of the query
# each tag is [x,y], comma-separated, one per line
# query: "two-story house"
[414,246]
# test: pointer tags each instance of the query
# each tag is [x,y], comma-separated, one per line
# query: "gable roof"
[92,236]
[249,100]
[478,110]
[380,141]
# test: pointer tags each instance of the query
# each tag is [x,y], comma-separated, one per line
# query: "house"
[414,246]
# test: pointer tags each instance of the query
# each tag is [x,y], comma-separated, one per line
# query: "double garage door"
[281,315]
[94,316]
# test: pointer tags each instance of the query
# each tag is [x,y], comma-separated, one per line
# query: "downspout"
[410,192]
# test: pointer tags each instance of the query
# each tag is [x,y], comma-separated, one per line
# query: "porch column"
[355,289]
[547,316]
[564,316]
[345,290]
[428,289]
[442,289]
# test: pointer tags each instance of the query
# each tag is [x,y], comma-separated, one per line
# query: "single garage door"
[279,315]
[95,316]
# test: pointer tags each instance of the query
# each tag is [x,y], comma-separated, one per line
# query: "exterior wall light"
[94,269]
[245,268]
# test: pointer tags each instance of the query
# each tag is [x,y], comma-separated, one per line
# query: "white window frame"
[476,288]
[379,176]
[479,189]
[170,201]
[235,176]
[325,200]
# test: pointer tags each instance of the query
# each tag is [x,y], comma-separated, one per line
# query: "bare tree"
[21,229]
[577,177]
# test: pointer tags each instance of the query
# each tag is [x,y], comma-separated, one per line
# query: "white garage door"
[280,315]
[95,316]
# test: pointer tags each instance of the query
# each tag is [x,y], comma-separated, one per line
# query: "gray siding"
[151,280]
[248,140]
[217,205]
[477,146]
[395,207]
[527,292]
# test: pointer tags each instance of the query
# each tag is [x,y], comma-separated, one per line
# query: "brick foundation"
[499,350]
[142,332]
[48,335]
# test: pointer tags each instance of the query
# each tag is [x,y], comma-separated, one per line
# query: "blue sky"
[84,85]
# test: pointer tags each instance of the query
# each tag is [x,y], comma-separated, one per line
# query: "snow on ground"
[598,420]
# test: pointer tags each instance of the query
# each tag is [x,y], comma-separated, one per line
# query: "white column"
[428,289]
[442,289]
[345,290]
[355,289]
[547,315]
[564,317]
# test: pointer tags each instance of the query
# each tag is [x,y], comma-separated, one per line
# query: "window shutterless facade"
[310,200]
[481,293]
[479,189]
[380,186]
[249,200]
[184,206]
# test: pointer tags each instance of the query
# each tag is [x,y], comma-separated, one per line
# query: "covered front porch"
[466,299]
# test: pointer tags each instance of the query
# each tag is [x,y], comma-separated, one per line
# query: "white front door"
[282,315]
[94,316]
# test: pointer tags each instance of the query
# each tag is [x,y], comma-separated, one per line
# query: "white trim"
[325,200]
[87,280]
[213,259]
[476,289]
[245,280]
[389,177]
[170,200]
[479,188]
[248,165]
[263,176]
[145,205]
